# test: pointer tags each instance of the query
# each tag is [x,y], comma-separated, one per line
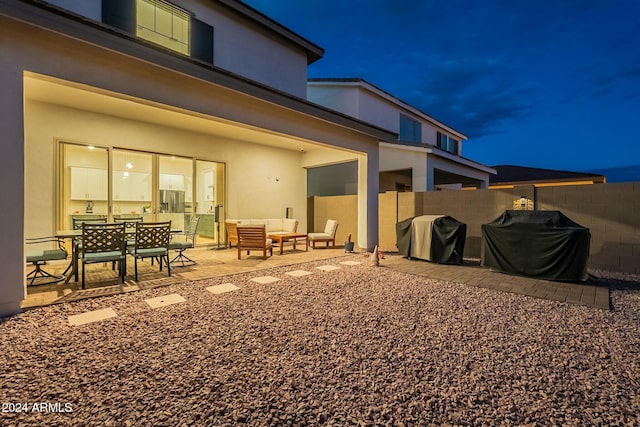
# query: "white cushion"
[331,226]
[289,225]
[319,236]
[274,224]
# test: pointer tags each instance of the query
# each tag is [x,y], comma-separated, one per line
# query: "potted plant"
[348,245]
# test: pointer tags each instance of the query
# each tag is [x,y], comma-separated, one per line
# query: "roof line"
[314,52]
[107,37]
[362,82]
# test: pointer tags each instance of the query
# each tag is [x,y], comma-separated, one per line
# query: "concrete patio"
[102,280]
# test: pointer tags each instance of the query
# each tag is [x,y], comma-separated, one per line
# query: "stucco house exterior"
[426,156]
[107,103]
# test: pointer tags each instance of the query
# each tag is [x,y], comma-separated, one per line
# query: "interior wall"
[261,181]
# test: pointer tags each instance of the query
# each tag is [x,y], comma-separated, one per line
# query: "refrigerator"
[171,201]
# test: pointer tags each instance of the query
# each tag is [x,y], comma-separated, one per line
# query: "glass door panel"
[175,196]
[132,184]
[209,195]
[84,183]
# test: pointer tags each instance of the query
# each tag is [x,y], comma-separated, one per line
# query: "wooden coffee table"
[285,237]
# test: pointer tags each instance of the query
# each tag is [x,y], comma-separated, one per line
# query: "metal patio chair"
[152,241]
[184,241]
[39,256]
[103,243]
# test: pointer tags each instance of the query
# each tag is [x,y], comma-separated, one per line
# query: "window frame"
[410,130]
[447,143]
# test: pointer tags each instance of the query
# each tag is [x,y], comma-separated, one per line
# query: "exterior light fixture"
[523,202]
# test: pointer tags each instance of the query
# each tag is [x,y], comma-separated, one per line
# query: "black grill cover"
[542,244]
[447,239]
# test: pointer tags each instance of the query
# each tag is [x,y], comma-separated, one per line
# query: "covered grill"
[436,238]
[542,244]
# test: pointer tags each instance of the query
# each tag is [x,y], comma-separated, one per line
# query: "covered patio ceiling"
[81,97]
[443,177]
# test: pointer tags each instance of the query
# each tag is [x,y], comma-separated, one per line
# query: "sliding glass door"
[175,196]
[84,183]
[209,206]
[118,183]
[131,184]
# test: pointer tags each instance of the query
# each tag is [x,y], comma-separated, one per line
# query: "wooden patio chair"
[232,232]
[253,238]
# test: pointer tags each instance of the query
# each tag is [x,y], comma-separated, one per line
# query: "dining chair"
[152,241]
[44,249]
[103,243]
[184,241]
[129,227]
[78,221]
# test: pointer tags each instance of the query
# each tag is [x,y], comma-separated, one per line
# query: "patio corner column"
[368,185]
[12,285]
[430,172]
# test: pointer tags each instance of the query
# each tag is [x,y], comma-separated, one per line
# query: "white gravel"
[357,346]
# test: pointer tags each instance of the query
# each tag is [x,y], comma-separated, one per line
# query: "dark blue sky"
[552,83]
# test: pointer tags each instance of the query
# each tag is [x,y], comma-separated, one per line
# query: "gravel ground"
[358,346]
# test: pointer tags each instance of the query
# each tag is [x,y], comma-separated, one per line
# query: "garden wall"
[610,211]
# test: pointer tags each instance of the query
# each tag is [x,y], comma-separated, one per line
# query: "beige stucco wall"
[266,59]
[32,49]
[610,211]
[252,188]
[343,209]
[394,157]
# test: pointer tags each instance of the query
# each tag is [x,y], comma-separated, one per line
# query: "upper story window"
[447,143]
[410,130]
[163,23]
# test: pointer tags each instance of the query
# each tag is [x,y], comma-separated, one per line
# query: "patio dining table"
[74,235]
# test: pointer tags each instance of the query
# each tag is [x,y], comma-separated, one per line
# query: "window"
[447,143]
[410,130]
[163,23]
[117,182]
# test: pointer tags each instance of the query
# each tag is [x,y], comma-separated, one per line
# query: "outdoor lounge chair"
[254,238]
[39,257]
[182,242]
[328,235]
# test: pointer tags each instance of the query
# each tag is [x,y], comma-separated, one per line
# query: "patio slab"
[588,294]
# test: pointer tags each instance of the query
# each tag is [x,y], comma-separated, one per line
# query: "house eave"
[314,52]
[429,150]
[57,20]
[365,85]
